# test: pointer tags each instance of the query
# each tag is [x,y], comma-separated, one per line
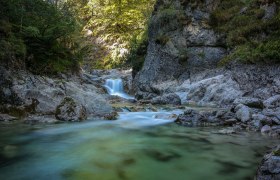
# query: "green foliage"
[253,39]
[42,36]
[115,23]
[137,52]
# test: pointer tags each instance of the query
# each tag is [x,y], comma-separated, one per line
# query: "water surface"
[137,146]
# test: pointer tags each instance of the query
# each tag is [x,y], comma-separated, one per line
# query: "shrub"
[252,39]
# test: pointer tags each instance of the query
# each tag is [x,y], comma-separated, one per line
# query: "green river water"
[135,147]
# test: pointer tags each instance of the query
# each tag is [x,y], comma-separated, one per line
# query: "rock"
[243,113]
[250,102]
[230,122]
[227,131]
[184,52]
[205,56]
[190,118]
[69,110]
[270,10]
[7,95]
[34,119]
[166,116]
[269,169]
[167,99]
[225,115]
[194,118]
[272,102]
[218,90]
[6,117]
[39,95]
[273,116]
[259,117]
[266,129]
[255,125]
[111,116]
[183,42]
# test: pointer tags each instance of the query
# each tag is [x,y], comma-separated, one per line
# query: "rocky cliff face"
[183,56]
[180,39]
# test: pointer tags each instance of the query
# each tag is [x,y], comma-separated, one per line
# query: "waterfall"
[115,87]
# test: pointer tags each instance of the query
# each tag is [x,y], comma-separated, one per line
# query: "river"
[137,146]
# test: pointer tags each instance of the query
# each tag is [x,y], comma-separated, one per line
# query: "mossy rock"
[111,116]
[69,110]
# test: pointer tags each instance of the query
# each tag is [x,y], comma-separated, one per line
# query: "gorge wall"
[185,54]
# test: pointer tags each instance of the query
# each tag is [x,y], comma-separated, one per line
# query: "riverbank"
[28,97]
[244,116]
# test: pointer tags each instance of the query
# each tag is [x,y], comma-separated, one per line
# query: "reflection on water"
[138,147]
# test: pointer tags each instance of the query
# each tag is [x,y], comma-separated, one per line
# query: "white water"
[115,87]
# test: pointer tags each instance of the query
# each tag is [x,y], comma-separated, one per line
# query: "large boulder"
[243,113]
[69,110]
[250,102]
[269,168]
[272,102]
[193,118]
[48,96]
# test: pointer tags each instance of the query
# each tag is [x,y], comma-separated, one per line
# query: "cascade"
[115,87]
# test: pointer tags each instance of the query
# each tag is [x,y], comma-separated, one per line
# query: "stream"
[137,146]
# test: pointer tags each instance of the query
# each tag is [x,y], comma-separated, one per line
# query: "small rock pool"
[138,146]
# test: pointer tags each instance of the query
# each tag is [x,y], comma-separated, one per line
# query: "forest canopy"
[48,36]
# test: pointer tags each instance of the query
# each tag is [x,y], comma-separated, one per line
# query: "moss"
[264,52]
[170,18]
[252,39]
[17,112]
[111,116]
[71,105]
[201,55]
[183,59]
[276,153]
[183,56]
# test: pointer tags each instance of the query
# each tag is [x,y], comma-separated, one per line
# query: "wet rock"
[167,99]
[255,125]
[269,169]
[192,118]
[166,116]
[266,129]
[227,131]
[34,119]
[272,102]
[111,116]
[225,114]
[260,117]
[230,122]
[273,115]
[243,112]
[250,102]
[69,110]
